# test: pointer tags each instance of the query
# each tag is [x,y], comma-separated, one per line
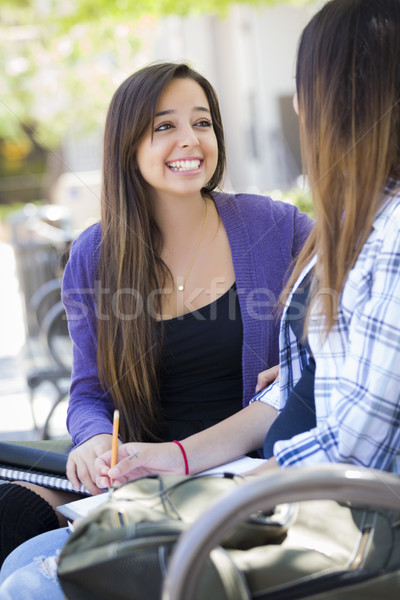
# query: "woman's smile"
[186,165]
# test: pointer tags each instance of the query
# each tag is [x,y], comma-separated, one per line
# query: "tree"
[60,61]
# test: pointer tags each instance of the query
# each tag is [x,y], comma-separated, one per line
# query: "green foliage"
[53,80]
[302,199]
[7,210]
[82,11]
[60,61]
[297,196]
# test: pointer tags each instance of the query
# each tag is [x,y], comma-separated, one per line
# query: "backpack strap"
[231,577]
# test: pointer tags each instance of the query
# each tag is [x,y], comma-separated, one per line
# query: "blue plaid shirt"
[357,379]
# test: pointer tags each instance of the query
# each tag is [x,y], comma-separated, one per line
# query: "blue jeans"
[30,571]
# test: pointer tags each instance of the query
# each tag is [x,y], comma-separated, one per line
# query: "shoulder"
[84,255]
[254,205]
[387,224]
[244,203]
[379,258]
[88,241]
[390,215]
[260,213]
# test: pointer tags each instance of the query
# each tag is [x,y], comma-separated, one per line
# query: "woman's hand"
[266,377]
[81,462]
[271,465]
[137,460]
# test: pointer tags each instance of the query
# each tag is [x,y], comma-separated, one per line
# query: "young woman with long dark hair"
[171,298]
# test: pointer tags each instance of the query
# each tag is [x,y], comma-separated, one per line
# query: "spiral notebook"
[43,463]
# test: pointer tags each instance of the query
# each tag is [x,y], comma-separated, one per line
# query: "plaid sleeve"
[363,426]
[269,395]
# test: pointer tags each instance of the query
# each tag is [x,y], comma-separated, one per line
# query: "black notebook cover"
[42,463]
[45,457]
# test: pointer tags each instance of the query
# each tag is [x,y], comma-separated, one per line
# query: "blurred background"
[60,63]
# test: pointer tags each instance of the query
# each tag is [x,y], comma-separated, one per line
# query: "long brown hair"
[130,267]
[348,87]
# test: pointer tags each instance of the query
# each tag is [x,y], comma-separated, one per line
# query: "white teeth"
[184,165]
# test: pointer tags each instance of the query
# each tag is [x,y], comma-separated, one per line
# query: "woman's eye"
[163,127]
[203,123]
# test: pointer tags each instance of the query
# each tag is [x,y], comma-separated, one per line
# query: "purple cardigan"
[264,236]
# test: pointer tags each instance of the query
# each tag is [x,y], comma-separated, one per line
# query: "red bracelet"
[184,456]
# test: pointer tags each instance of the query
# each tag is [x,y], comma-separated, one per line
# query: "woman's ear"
[296,104]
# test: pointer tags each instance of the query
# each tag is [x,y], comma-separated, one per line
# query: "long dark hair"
[130,267]
[348,86]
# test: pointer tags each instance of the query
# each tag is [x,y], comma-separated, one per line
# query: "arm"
[242,433]
[89,417]
[90,408]
[233,437]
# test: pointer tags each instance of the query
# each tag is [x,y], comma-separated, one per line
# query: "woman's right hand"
[137,460]
[81,462]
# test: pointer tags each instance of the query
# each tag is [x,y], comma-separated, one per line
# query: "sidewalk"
[16,421]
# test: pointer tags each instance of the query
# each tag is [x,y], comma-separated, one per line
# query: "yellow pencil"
[114,446]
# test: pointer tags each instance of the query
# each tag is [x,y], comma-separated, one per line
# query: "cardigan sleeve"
[90,408]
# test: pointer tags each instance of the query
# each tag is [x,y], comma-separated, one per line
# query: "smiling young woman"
[183,274]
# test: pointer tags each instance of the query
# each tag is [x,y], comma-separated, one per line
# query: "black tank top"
[201,367]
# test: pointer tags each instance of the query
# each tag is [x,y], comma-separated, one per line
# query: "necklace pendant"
[181,286]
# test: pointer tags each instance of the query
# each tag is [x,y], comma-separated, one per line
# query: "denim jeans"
[30,571]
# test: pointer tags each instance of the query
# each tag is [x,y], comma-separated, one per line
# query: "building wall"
[250,58]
